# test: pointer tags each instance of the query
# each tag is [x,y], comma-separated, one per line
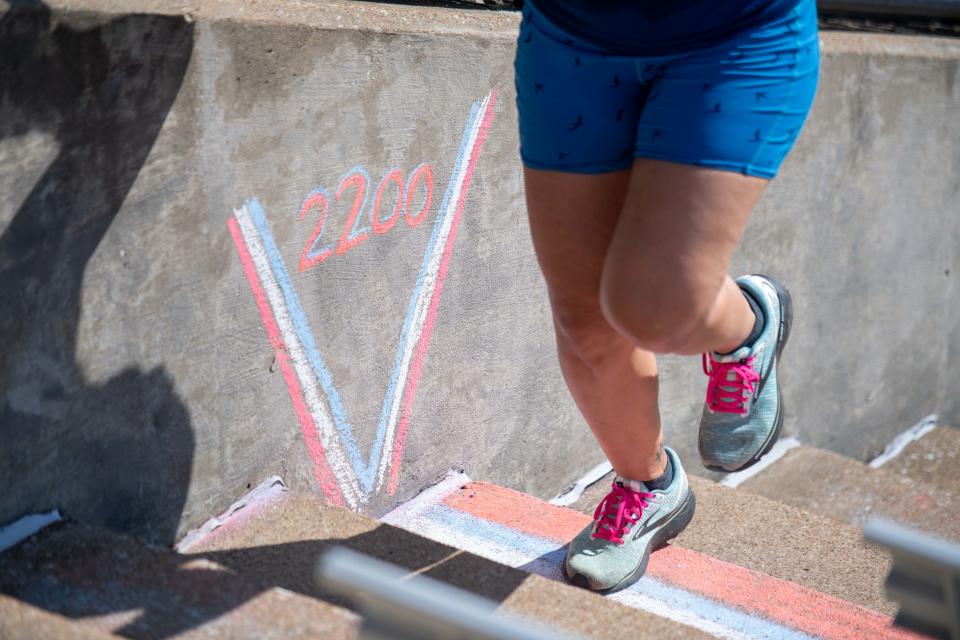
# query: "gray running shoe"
[743,414]
[629,523]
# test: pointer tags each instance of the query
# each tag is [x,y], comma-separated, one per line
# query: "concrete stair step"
[25,622]
[828,484]
[110,583]
[933,459]
[778,540]
[279,541]
[687,585]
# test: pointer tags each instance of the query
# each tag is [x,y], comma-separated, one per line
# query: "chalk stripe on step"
[522,531]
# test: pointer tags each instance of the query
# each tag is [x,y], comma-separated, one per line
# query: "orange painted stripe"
[788,603]
[519,511]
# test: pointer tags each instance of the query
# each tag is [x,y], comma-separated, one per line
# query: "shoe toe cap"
[597,572]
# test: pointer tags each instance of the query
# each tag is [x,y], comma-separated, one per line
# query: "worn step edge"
[933,458]
[113,583]
[718,597]
[850,491]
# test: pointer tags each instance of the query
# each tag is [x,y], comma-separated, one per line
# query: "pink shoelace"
[619,511]
[731,384]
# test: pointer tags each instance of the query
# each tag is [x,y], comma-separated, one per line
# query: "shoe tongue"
[633,485]
[734,356]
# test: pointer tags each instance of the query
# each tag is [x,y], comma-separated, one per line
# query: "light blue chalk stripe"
[393,388]
[715,611]
[546,559]
[517,541]
[302,329]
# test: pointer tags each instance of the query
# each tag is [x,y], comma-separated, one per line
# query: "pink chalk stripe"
[423,344]
[791,604]
[785,602]
[323,472]
[518,511]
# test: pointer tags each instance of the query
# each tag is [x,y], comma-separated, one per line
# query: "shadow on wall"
[119,453]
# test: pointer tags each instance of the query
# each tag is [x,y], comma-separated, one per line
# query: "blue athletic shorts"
[737,106]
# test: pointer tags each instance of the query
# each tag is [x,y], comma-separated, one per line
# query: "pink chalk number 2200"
[380,218]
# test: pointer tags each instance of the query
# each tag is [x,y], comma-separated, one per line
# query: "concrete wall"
[173,327]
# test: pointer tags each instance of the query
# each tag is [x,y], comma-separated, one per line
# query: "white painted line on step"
[409,510]
[663,609]
[573,494]
[267,490]
[778,451]
[900,443]
[25,527]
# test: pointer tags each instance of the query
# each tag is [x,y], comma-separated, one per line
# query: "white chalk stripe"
[573,494]
[506,554]
[329,438]
[660,608]
[900,443]
[426,294]
[434,495]
[776,452]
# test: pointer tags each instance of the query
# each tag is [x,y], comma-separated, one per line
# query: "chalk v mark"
[343,475]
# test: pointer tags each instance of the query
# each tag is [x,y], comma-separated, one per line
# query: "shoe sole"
[667,532]
[786,319]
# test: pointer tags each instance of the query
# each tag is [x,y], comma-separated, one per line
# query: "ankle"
[659,479]
[755,331]
[662,481]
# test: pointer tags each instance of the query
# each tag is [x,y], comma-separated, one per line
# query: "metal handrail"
[924,579]
[396,606]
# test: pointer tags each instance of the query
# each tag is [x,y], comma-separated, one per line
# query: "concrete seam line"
[779,450]
[266,491]
[20,530]
[896,447]
[573,493]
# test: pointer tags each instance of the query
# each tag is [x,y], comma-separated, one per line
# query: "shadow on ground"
[99,573]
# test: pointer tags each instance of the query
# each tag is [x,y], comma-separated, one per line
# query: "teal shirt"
[660,27]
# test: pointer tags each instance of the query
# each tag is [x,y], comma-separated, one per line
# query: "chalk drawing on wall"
[344,476]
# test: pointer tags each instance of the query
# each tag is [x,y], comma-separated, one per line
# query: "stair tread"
[118,585]
[281,541]
[832,485]
[776,539]
[933,459]
[683,584]
[26,622]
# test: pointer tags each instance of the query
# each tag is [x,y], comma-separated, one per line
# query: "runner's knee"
[657,313]
[584,333]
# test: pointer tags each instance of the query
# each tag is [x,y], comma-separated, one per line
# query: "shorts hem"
[721,165]
[586,168]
